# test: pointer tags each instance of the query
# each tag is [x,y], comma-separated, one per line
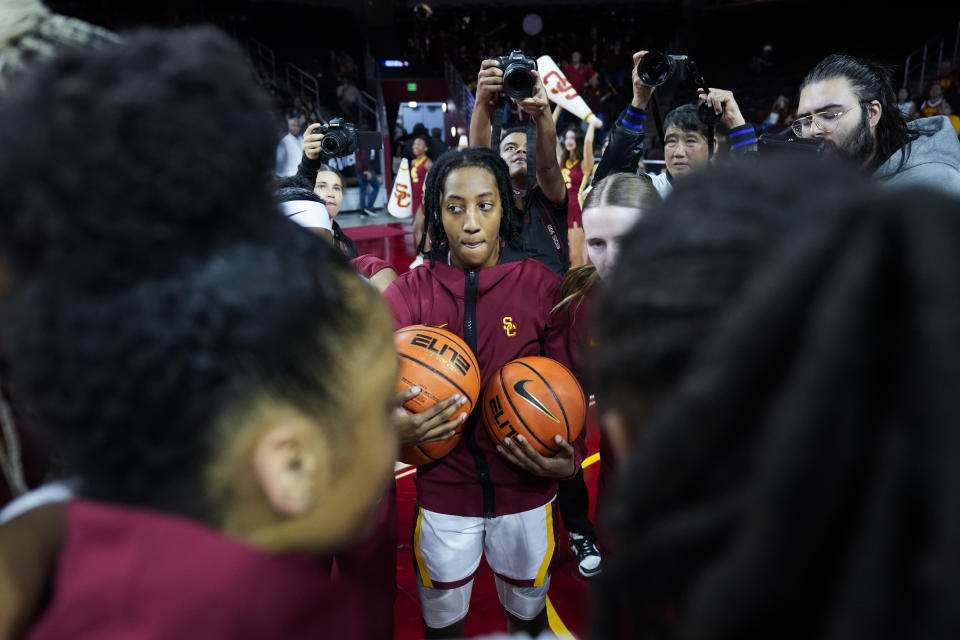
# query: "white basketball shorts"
[519,548]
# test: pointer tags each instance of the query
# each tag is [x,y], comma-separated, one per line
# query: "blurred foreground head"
[115,150]
[29,33]
[182,345]
[783,367]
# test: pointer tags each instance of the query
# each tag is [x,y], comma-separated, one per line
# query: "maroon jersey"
[503,313]
[132,573]
[581,340]
[573,179]
[369,265]
[372,565]
[578,316]
[418,175]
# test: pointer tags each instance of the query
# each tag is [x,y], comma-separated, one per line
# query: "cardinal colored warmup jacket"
[132,573]
[503,313]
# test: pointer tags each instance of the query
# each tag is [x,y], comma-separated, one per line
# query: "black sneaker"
[588,556]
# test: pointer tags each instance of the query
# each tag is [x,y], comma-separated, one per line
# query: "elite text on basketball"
[496,408]
[430,343]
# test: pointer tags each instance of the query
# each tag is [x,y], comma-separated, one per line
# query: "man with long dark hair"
[852,105]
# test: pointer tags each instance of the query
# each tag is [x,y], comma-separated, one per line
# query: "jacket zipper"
[470,293]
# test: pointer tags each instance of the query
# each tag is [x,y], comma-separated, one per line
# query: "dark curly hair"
[160,296]
[107,147]
[433,195]
[139,386]
[795,472]
[282,183]
[288,188]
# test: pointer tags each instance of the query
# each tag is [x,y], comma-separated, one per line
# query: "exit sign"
[411,86]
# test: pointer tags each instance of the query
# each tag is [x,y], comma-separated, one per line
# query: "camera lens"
[654,69]
[331,143]
[518,82]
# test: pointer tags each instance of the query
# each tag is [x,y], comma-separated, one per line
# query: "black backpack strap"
[550,225]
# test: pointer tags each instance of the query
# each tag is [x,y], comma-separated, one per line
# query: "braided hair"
[796,476]
[450,161]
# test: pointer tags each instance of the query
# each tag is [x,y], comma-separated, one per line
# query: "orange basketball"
[441,364]
[537,398]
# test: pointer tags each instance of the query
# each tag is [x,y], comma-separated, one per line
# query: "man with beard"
[851,104]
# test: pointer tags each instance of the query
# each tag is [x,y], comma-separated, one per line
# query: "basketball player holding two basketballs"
[483,498]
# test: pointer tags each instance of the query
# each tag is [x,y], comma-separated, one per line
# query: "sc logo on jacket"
[509,327]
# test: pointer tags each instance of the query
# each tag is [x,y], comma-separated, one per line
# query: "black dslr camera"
[656,68]
[791,143]
[341,138]
[518,82]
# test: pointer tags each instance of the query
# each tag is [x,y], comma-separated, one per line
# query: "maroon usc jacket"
[132,573]
[503,313]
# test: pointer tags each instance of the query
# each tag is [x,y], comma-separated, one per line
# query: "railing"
[375,103]
[369,104]
[299,82]
[302,83]
[920,65]
[264,60]
[460,94]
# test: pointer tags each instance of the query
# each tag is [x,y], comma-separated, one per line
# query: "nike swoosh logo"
[521,388]
[439,326]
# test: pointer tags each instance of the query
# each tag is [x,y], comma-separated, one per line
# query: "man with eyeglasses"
[851,104]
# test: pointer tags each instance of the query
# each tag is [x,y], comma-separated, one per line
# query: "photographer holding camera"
[321,143]
[543,201]
[688,130]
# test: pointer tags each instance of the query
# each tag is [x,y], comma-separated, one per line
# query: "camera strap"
[657,119]
[698,81]
[498,127]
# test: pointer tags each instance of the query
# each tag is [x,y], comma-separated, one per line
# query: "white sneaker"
[588,556]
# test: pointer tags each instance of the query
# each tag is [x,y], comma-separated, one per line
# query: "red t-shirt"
[578,76]
[512,303]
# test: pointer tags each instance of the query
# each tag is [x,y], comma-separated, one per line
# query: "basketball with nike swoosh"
[537,398]
[442,365]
